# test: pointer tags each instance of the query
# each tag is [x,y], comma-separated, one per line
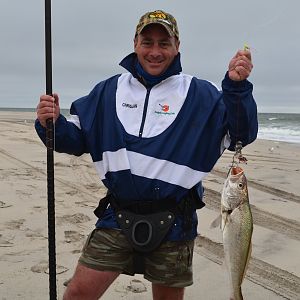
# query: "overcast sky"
[90,37]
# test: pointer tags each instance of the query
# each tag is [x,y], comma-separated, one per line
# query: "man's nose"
[155,50]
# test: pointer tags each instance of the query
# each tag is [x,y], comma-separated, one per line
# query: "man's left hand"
[240,66]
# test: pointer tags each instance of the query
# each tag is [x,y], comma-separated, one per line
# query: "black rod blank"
[50,158]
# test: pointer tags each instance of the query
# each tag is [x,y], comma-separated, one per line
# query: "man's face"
[155,49]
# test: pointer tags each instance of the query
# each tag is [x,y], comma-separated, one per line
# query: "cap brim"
[166,26]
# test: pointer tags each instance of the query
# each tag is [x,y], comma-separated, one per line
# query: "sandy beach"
[273,173]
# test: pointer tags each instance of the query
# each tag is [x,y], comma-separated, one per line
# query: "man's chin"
[155,71]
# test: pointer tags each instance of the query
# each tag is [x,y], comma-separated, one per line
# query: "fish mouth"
[236,171]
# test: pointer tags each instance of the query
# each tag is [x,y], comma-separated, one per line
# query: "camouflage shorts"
[169,265]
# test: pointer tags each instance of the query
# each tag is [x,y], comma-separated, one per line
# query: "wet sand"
[273,173]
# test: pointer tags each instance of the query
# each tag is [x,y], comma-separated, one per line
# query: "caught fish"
[237,228]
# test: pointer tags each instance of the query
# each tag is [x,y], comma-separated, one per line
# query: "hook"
[238,156]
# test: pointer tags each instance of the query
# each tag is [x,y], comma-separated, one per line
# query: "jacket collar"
[130,62]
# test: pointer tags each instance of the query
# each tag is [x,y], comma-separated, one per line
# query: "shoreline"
[10,115]
[273,173]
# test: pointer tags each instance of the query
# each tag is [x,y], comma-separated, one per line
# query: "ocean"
[283,127]
[279,127]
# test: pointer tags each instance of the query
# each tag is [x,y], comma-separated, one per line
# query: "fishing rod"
[50,158]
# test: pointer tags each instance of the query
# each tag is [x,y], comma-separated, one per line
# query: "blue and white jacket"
[156,142]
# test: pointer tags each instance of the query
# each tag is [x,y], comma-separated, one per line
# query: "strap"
[103,203]
[146,207]
[139,262]
[149,207]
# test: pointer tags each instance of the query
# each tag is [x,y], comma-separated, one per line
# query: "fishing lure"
[246,47]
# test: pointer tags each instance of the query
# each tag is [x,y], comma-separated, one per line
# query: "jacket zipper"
[144,112]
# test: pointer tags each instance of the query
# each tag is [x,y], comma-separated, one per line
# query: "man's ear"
[135,41]
[177,44]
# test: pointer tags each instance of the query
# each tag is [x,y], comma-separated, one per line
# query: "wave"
[279,134]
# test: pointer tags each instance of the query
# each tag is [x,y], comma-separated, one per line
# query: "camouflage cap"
[158,17]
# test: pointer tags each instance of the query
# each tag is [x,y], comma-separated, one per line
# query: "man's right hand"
[48,108]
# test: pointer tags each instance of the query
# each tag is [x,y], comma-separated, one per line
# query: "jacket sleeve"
[68,137]
[241,111]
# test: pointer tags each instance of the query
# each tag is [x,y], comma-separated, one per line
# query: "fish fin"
[217,222]
[224,222]
[248,259]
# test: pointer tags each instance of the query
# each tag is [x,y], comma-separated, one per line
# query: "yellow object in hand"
[246,47]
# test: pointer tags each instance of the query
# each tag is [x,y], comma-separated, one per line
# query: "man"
[153,134]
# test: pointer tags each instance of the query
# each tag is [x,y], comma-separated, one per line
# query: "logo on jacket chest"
[129,105]
[164,109]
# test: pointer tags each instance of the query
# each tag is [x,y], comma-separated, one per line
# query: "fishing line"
[238,156]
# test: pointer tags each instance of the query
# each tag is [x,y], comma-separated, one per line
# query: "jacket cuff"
[232,85]
[41,131]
